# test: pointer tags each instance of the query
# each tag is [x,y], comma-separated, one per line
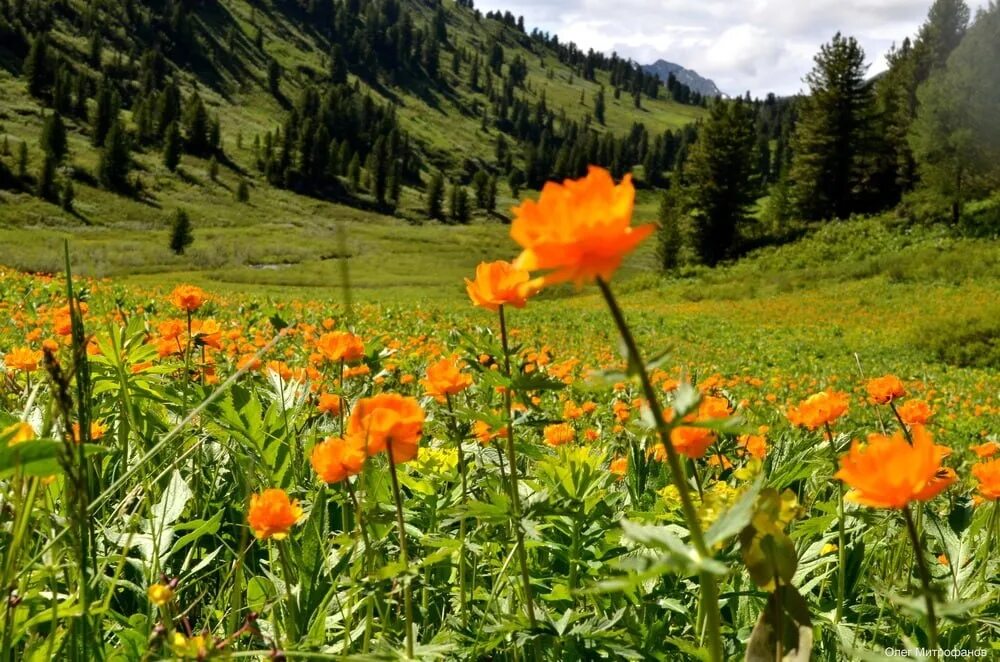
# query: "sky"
[757,45]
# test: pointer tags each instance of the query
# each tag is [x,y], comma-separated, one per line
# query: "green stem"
[403,556]
[925,577]
[462,524]
[841,535]
[292,624]
[515,496]
[709,590]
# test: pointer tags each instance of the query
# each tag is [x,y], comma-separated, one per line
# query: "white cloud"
[757,45]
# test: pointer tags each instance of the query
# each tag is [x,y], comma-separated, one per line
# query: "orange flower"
[272,514]
[23,359]
[500,284]
[97,430]
[335,459]
[329,403]
[819,409]
[619,467]
[578,230]
[988,449]
[754,445]
[446,378]
[691,441]
[559,434]
[884,390]
[341,346]
[988,475]
[485,434]
[915,412]
[888,472]
[388,419]
[188,298]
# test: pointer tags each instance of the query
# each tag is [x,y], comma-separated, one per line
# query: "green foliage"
[172,147]
[969,340]
[435,197]
[54,142]
[116,159]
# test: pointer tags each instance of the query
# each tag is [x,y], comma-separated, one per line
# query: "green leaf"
[736,518]
[37,457]
[678,554]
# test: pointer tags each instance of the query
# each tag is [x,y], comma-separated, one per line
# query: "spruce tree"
[172,147]
[435,197]
[196,127]
[669,237]
[181,235]
[116,160]
[22,160]
[68,195]
[46,186]
[833,142]
[36,66]
[599,106]
[720,179]
[459,204]
[213,169]
[243,192]
[54,142]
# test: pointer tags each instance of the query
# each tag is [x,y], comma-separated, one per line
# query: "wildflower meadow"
[189,474]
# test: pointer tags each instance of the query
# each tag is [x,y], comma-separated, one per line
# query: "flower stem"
[841,534]
[925,577]
[292,625]
[709,590]
[515,497]
[462,524]
[403,556]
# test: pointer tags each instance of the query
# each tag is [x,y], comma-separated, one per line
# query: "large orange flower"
[500,284]
[559,434]
[335,459]
[819,409]
[388,419]
[340,346]
[988,475]
[884,390]
[578,230]
[23,359]
[888,472]
[445,377]
[272,514]
[692,442]
[188,298]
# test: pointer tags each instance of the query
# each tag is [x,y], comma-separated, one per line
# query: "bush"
[971,341]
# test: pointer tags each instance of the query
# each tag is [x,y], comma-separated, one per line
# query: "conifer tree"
[115,161]
[181,235]
[243,192]
[172,147]
[54,142]
[47,179]
[22,160]
[68,195]
[599,106]
[36,66]
[435,197]
[459,204]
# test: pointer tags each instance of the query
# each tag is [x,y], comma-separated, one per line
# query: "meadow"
[367,457]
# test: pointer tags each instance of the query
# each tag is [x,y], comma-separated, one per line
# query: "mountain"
[663,69]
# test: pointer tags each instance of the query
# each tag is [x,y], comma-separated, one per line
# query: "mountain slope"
[663,70]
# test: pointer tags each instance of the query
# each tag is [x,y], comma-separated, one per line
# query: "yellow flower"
[160,594]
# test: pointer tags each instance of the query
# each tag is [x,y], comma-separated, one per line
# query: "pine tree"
[338,66]
[180,232]
[599,106]
[213,169]
[36,66]
[105,112]
[459,204]
[435,197]
[833,143]
[22,160]
[274,77]
[47,179]
[54,142]
[480,184]
[116,161]
[491,195]
[669,238]
[197,127]
[243,192]
[720,179]
[354,172]
[68,195]
[172,147]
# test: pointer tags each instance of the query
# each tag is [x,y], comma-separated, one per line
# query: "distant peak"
[663,68]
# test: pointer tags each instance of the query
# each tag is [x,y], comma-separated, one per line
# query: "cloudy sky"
[757,45]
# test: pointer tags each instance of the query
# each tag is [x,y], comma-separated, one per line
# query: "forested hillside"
[349,101]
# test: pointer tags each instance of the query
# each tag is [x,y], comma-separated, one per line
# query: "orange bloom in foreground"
[915,412]
[17,433]
[884,390]
[619,467]
[335,459]
[272,514]
[446,378]
[988,475]
[341,346]
[559,434]
[888,472]
[819,409]
[188,298]
[500,284]
[388,419]
[23,359]
[97,430]
[578,230]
